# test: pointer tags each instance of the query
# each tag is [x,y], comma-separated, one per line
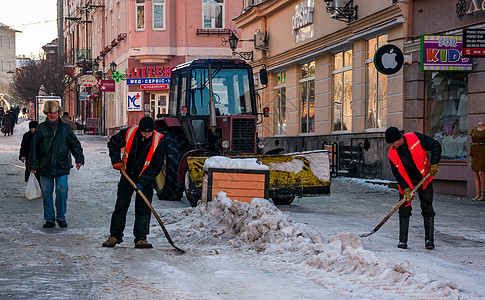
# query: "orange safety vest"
[419,157]
[130,135]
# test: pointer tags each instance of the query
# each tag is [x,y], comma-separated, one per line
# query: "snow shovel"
[153,211]
[395,208]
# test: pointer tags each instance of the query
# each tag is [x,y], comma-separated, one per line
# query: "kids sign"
[443,53]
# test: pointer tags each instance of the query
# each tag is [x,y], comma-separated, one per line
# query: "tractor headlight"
[260,144]
[225,144]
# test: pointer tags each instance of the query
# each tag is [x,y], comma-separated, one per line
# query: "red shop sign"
[154,86]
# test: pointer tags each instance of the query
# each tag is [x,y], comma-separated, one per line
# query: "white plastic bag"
[32,190]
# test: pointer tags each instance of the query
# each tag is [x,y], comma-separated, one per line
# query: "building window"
[280,103]
[1,40]
[2,65]
[140,14]
[10,69]
[446,112]
[118,18]
[9,42]
[111,26]
[342,90]
[212,14]
[158,14]
[375,87]
[307,97]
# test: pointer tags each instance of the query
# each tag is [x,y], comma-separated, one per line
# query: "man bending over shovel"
[143,155]
[409,165]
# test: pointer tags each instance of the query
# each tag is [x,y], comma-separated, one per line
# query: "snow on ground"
[338,262]
[236,241]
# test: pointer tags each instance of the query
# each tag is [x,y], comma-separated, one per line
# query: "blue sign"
[134,101]
[139,81]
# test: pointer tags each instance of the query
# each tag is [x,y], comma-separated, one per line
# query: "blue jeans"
[47,186]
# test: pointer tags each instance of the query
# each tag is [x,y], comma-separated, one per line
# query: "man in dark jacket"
[142,161]
[409,164]
[25,148]
[50,155]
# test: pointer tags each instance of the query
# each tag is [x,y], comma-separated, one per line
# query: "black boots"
[429,232]
[403,233]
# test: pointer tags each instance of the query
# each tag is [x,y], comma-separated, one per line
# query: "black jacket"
[428,144]
[50,152]
[25,145]
[137,156]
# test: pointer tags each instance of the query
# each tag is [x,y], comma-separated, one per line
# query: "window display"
[446,117]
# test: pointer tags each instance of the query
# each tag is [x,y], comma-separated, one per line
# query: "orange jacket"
[419,157]
[130,134]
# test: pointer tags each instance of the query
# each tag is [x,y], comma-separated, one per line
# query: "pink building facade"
[145,40]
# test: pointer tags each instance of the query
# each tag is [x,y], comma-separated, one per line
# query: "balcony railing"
[83,54]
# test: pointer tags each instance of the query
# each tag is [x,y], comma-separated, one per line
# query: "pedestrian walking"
[7,123]
[477,153]
[25,149]
[66,119]
[50,155]
[143,158]
[409,165]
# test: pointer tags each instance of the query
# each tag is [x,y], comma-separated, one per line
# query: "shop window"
[140,14]
[342,90]
[158,14]
[212,14]
[1,40]
[375,87]
[280,103]
[446,112]
[307,97]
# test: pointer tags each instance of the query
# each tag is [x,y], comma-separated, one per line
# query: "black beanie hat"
[146,124]
[392,134]
[33,124]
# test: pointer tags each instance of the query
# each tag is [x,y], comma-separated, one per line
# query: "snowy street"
[308,250]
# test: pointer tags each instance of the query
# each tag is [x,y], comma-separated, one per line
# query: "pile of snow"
[223,162]
[260,227]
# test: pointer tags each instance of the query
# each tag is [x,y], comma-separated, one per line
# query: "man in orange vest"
[409,164]
[142,161]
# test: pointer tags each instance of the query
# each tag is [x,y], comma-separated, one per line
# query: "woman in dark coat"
[25,149]
[7,123]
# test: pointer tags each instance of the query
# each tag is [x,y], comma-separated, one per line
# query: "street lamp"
[112,67]
[343,10]
[95,66]
[232,41]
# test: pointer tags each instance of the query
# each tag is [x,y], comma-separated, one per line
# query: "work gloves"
[139,187]
[433,170]
[118,166]
[408,195]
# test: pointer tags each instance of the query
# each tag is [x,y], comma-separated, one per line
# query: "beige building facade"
[324,87]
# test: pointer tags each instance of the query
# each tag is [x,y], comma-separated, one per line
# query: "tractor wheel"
[283,200]
[192,193]
[167,184]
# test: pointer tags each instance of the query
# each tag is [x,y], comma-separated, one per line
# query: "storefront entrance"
[158,105]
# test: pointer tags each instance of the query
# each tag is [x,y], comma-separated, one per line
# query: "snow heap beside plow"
[340,261]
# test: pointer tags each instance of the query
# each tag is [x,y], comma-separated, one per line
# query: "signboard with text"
[154,86]
[106,85]
[474,42]
[135,101]
[443,53]
[140,81]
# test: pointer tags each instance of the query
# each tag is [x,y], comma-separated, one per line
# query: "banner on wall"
[135,101]
[443,53]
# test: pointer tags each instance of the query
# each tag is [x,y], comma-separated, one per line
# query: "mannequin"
[477,153]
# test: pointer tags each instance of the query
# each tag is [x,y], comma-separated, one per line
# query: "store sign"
[135,101]
[87,80]
[443,53]
[139,81]
[469,7]
[154,86]
[83,96]
[150,72]
[388,59]
[106,85]
[302,21]
[474,42]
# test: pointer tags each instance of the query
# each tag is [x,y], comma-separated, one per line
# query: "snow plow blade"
[293,174]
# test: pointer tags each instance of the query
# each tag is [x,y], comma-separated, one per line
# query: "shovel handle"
[396,207]
[167,235]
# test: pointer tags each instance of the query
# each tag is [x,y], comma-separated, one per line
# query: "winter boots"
[49,225]
[143,244]
[112,241]
[403,233]
[429,232]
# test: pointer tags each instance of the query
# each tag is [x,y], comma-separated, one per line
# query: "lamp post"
[112,67]
[232,41]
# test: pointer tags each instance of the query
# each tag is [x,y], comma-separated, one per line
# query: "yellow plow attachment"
[293,174]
